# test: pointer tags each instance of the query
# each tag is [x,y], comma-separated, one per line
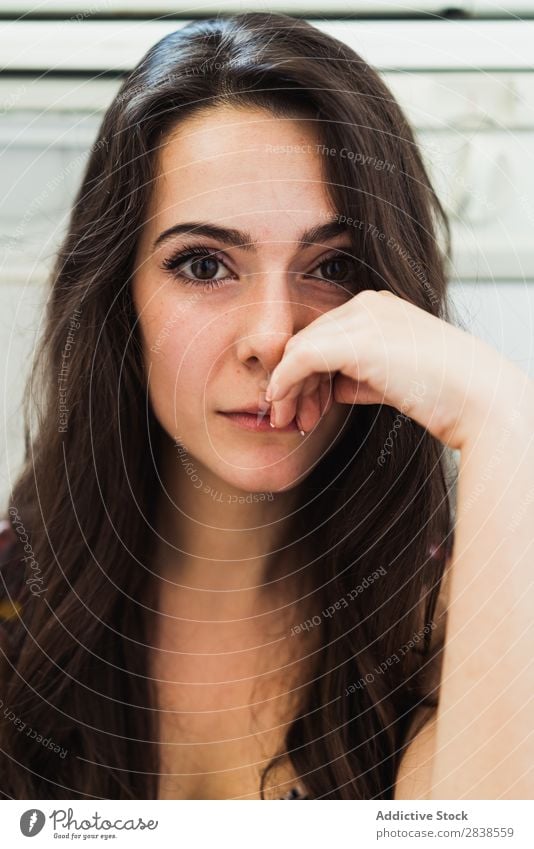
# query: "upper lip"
[254,409]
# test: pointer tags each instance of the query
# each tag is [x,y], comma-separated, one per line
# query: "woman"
[215,591]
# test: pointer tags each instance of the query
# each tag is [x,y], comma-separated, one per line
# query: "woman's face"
[214,327]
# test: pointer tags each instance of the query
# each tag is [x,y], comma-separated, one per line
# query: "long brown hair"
[378,504]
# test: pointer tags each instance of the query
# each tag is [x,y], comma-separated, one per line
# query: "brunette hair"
[379,503]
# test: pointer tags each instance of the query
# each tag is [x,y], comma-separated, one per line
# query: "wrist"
[509,417]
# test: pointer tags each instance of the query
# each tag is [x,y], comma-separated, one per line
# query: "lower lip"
[251,421]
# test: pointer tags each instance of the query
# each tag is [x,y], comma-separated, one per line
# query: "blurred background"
[463,72]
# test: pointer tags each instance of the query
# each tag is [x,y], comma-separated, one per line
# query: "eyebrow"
[242,239]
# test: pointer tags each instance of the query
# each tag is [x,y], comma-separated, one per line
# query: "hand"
[378,348]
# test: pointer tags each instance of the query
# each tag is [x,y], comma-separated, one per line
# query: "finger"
[349,391]
[326,394]
[308,411]
[286,409]
[328,355]
[283,412]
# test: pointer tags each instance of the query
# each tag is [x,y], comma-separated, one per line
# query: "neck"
[217,546]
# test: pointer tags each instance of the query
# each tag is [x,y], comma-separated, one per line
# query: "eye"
[201,263]
[200,266]
[338,270]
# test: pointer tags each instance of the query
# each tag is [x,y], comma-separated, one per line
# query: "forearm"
[485,739]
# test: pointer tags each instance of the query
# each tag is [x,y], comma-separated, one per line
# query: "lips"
[256,420]
[252,410]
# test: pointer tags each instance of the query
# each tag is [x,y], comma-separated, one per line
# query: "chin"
[257,463]
[270,477]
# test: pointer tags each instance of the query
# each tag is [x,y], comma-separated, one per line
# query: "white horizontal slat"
[96,46]
[301,7]
[205,7]
[55,94]
[465,100]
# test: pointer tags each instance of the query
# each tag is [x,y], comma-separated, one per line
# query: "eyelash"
[172,263]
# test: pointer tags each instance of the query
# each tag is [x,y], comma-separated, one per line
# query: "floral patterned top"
[11,572]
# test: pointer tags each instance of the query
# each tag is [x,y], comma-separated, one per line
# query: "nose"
[269,319]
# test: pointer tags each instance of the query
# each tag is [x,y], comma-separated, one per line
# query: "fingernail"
[301,431]
[272,418]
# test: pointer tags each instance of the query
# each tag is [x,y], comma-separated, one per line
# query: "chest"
[226,697]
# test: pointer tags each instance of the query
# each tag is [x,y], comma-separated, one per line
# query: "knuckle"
[293,342]
[367,296]
[300,354]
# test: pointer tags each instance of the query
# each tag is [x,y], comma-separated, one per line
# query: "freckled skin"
[213,349]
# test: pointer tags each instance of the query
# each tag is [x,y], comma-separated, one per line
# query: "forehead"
[239,163]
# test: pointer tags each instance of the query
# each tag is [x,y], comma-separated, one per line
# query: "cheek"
[182,354]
